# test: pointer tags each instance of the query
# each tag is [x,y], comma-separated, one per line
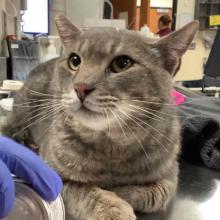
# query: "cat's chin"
[91,119]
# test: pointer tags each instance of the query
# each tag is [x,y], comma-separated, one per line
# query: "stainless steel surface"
[28,205]
[198,196]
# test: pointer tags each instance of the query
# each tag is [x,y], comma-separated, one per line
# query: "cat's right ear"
[67,31]
[173,46]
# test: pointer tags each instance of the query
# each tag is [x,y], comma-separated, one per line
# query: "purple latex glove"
[22,162]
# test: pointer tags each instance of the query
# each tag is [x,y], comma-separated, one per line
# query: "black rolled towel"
[210,152]
[200,140]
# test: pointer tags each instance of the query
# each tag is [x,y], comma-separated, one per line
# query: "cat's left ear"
[173,46]
[67,31]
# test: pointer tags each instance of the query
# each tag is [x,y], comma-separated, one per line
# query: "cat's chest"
[99,163]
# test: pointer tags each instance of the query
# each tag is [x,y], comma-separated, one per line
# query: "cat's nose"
[82,90]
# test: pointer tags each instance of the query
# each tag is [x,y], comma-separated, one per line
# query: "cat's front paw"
[113,208]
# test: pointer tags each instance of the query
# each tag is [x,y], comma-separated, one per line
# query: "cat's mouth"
[91,118]
[85,110]
[91,108]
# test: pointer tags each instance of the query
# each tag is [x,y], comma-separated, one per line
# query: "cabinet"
[205,8]
[24,56]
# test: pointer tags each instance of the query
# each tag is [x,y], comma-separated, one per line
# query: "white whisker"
[144,110]
[66,119]
[52,123]
[178,109]
[118,122]
[48,114]
[151,128]
[150,97]
[40,101]
[128,116]
[39,93]
[46,109]
[156,103]
[108,121]
[137,139]
[35,105]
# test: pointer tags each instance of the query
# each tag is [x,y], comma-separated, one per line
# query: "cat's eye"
[74,61]
[121,63]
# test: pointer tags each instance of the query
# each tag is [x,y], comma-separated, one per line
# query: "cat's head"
[106,74]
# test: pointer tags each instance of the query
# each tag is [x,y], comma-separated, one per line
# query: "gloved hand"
[26,165]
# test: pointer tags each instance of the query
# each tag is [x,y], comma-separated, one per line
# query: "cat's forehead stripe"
[78,45]
[109,46]
[84,45]
[118,48]
[113,47]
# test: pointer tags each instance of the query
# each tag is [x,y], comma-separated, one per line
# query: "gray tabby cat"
[103,118]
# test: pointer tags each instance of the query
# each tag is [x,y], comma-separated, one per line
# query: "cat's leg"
[92,203]
[149,198]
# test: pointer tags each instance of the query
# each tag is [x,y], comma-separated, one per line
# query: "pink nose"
[82,90]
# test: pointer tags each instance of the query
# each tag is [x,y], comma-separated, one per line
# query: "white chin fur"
[71,101]
[94,122]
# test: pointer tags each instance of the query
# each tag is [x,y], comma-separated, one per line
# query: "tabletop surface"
[198,196]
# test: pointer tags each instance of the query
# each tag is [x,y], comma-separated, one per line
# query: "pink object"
[164,32]
[178,98]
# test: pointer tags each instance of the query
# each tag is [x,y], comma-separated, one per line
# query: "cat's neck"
[113,135]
